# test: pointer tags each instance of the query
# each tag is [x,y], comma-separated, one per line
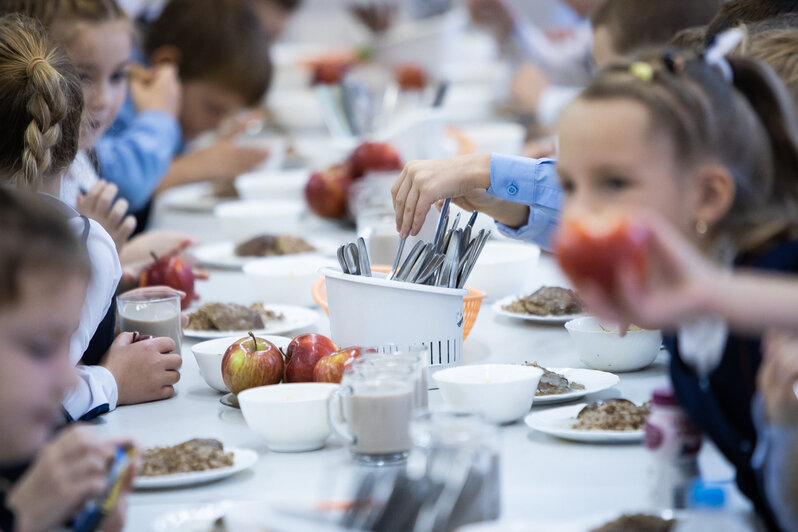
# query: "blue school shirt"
[532,182]
[136,152]
[721,403]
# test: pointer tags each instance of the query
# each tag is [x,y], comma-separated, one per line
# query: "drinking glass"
[153,311]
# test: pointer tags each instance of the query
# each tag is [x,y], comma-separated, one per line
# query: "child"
[736,12]
[695,151]
[41,104]
[45,270]
[222,57]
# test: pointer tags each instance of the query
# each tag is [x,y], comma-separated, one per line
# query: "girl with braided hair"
[41,106]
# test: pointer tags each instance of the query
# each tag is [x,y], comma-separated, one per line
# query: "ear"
[166,54]
[715,190]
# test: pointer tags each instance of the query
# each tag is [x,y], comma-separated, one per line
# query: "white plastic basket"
[372,311]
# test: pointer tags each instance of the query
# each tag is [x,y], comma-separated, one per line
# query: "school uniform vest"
[720,404]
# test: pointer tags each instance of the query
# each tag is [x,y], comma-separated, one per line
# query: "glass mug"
[413,358]
[372,410]
[151,311]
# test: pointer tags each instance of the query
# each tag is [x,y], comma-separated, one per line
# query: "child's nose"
[99,98]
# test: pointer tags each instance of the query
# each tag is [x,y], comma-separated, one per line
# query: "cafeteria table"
[541,477]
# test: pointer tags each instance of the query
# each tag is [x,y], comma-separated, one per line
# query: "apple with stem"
[172,272]
[303,353]
[251,362]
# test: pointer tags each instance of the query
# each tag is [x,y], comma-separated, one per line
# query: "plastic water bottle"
[673,441]
[709,512]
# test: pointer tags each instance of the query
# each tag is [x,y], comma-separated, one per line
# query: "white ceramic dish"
[273,185]
[502,393]
[601,348]
[594,381]
[242,219]
[290,417]
[242,459]
[209,356]
[251,516]
[559,422]
[196,197]
[296,318]
[504,268]
[567,524]
[287,279]
[222,254]
[550,319]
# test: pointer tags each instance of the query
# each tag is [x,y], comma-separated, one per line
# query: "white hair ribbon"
[722,45]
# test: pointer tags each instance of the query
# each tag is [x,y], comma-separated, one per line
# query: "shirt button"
[512,190]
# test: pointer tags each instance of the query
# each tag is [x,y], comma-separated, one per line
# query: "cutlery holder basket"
[372,311]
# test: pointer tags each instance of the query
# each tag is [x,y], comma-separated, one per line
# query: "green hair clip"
[642,70]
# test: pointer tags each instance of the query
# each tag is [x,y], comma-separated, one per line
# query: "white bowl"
[273,185]
[290,417]
[288,279]
[248,218]
[209,357]
[605,350]
[502,393]
[506,138]
[277,147]
[296,108]
[505,268]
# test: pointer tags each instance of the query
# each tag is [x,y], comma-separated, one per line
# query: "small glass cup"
[151,311]
[412,358]
[372,410]
[459,451]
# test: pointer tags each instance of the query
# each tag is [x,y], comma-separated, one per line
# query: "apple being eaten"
[331,368]
[326,192]
[251,362]
[303,353]
[374,157]
[172,272]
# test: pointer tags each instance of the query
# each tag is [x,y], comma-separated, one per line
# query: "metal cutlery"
[363,258]
[392,273]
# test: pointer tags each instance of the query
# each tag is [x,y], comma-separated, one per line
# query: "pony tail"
[772,104]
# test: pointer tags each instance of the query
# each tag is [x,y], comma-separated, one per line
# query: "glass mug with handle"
[413,358]
[372,410]
[152,311]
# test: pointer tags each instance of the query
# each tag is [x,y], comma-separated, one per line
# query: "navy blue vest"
[721,404]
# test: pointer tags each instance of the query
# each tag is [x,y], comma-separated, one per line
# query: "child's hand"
[100,205]
[526,89]
[68,472]
[494,14]
[144,371]
[677,285]
[423,183]
[224,159]
[156,89]
[778,378]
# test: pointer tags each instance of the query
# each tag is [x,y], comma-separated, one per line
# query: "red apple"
[326,192]
[171,272]
[331,368]
[411,77]
[593,249]
[329,72]
[251,362]
[303,353]
[374,156]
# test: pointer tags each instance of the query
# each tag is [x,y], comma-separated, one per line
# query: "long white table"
[541,477]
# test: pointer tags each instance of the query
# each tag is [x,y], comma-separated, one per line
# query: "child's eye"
[616,183]
[84,78]
[567,186]
[40,351]
[119,76]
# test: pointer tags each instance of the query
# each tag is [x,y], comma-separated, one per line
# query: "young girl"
[711,148]
[45,271]
[41,105]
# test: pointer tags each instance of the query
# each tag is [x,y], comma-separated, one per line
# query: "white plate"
[250,516]
[296,317]
[567,524]
[593,381]
[196,197]
[558,421]
[497,308]
[242,459]
[222,254]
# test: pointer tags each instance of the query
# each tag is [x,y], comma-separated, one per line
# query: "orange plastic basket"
[471,302]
